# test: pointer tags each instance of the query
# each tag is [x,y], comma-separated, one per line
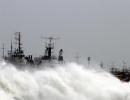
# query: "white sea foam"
[64,82]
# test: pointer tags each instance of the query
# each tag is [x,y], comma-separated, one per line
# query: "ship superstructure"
[16,55]
[49,55]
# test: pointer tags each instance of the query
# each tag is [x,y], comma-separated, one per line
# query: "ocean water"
[63,82]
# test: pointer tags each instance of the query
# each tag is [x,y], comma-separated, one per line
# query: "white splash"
[66,82]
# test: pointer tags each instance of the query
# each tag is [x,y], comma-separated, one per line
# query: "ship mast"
[18,40]
[11,47]
[3,48]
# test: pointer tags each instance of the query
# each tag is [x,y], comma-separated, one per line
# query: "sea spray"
[62,82]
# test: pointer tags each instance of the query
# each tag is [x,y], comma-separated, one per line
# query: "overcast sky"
[96,28]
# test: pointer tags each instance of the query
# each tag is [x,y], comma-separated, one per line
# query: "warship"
[17,56]
[122,74]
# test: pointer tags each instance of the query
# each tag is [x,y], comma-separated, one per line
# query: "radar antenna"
[51,38]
